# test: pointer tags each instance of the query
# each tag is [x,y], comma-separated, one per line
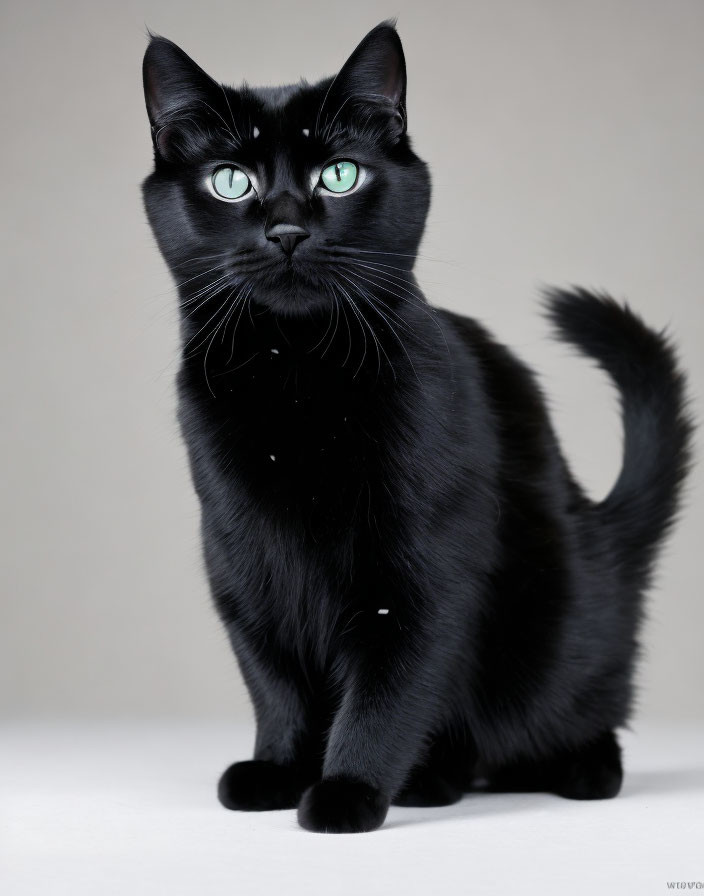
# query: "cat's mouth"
[289,284]
[292,286]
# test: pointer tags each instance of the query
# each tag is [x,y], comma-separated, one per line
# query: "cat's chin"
[295,295]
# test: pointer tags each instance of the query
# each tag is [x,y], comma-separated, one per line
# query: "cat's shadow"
[678,780]
[477,804]
[481,803]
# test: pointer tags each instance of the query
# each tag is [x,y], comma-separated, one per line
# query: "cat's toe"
[342,806]
[257,786]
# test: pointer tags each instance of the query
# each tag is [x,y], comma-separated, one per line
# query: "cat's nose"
[287,235]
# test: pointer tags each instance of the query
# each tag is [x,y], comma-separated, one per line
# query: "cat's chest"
[293,429]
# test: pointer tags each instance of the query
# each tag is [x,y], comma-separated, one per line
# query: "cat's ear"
[172,82]
[375,74]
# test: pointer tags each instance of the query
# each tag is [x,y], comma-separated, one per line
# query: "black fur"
[356,450]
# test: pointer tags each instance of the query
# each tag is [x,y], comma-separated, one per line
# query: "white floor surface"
[127,810]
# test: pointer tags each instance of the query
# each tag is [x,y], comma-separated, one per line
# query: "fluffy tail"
[657,429]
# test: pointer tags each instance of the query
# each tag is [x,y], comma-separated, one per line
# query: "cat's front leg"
[288,742]
[393,696]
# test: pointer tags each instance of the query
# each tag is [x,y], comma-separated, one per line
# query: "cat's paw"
[257,786]
[342,806]
[592,773]
[427,788]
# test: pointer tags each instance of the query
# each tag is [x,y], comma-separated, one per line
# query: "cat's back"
[530,452]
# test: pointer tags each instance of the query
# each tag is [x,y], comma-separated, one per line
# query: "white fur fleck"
[383,612]
[306,132]
[255,132]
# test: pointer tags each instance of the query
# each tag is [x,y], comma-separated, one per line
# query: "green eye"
[340,176]
[229,182]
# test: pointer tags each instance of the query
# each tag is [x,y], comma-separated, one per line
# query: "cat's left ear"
[172,82]
[375,74]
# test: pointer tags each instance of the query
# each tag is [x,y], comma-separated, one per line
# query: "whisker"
[357,314]
[380,264]
[237,323]
[352,250]
[236,141]
[205,357]
[230,312]
[390,325]
[420,255]
[322,105]
[214,284]
[406,282]
[349,334]
[337,321]
[249,308]
[196,276]
[379,346]
[212,291]
[350,299]
[381,314]
[232,117]
[421,304]
[420,300]
[206,324]
[371,297]
[195,258]
[322,338]
[328,128]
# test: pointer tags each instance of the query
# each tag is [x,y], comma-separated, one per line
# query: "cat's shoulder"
[504,371]
[475,336]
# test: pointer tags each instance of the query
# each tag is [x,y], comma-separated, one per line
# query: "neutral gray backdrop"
[566,142]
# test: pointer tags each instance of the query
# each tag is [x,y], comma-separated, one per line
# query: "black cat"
[416,588]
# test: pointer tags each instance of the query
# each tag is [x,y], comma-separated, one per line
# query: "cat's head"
[284,192]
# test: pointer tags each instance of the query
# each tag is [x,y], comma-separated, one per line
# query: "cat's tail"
[657,428]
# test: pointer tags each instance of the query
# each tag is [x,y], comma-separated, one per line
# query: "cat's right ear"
[173,82]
